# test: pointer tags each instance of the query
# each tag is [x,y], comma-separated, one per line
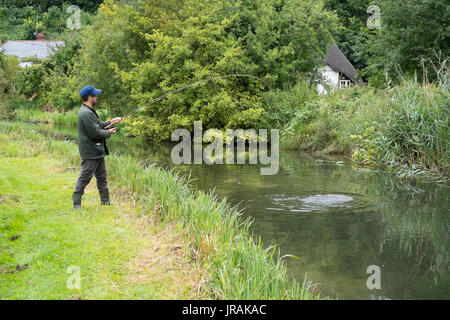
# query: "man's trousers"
[89,168]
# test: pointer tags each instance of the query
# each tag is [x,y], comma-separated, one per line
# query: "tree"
[140,50]
[9,66]
[411,30]
[353,33]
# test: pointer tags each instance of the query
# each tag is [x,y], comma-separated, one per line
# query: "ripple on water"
[317,202]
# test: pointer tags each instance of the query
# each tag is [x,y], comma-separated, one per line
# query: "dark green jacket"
[91,134]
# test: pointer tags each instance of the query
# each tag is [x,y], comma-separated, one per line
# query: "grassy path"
[120,253]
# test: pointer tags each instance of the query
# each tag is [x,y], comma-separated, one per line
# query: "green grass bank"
[216,241]
[49,251]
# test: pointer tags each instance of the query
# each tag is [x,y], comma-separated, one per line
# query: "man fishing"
[92,137]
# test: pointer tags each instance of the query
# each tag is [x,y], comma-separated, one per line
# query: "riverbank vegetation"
[404,129]
[26,111]
[236,265]
[138,50]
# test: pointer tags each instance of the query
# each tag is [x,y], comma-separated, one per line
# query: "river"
[337,219]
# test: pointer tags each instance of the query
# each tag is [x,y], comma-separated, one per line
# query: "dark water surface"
[337,219]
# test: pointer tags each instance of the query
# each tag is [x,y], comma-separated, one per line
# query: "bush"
[30,80]
[9,67]
[282,105]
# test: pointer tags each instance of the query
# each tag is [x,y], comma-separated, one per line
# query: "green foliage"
[411,30]
[47,78]
[59,89]
[109,46]
[282,39]
[17,23]
[311,128]
[28,112]
[146,50]
[9,67]
[22,23]
[415,135]
[281,105]
[29,80]
[353,33]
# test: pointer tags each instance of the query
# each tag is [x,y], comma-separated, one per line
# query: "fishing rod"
[185,87]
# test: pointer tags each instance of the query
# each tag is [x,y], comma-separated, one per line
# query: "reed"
[415,137]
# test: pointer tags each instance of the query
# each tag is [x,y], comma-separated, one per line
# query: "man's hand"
[112,130]
[115,120]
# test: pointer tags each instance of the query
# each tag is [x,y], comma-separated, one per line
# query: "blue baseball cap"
[89,90]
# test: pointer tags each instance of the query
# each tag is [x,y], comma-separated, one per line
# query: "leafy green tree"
[411,30]
[29,80]
[353,33]
[9,66]
[148,48]
[283,39]
[110,45]
[23,23]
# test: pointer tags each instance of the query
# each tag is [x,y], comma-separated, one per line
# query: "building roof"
[26,48]
[339,63]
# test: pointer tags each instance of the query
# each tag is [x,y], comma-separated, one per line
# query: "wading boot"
[77,201]
[104,198]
